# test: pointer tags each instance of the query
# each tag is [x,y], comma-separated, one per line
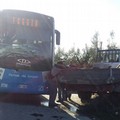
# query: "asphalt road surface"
[35,107]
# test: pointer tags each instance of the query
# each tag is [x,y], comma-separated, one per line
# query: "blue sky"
[77,20]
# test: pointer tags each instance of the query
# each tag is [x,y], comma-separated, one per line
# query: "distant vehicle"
[102,78]
[27,41]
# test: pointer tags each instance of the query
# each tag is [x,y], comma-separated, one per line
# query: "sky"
[77,20]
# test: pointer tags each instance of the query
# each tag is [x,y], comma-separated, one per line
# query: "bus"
[27,44]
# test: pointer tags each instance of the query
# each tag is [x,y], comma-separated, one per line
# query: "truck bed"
[90,76]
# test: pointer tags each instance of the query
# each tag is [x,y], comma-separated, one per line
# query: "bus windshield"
[26,40]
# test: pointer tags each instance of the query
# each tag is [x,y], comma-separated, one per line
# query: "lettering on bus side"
[3,85]
[23,86]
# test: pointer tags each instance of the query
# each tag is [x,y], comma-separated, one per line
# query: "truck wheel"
[84,96]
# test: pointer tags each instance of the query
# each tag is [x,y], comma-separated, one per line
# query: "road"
[35,107]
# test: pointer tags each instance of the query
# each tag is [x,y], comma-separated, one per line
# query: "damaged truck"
[103,78]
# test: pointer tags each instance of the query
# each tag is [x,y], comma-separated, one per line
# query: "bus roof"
[14,11]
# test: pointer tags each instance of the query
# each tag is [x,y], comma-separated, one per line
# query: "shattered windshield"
[26,36]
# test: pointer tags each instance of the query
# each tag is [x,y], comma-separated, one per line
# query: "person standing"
[53,82]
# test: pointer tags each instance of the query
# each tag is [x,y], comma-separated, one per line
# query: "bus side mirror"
[57,37]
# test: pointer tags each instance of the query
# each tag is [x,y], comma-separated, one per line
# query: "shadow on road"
[102,108]
[26,99]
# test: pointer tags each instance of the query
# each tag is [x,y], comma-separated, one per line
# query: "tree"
[112,44]
[95,40]
[89,53]
[71,56]
[75,56]
[60,53]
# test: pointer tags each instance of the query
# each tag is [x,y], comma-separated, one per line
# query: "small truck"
[102,78]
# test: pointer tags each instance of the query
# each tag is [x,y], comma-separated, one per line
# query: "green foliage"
[71,56]
[87,56]
[60,54]
[111,44]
